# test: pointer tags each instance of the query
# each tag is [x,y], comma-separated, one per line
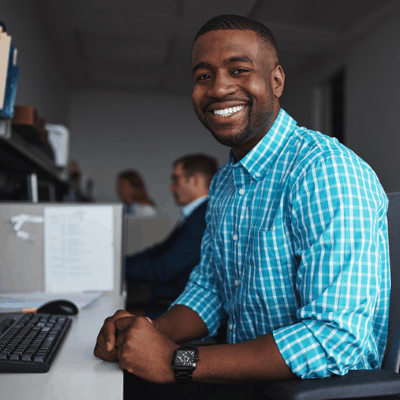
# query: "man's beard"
[244,135]
[236,140]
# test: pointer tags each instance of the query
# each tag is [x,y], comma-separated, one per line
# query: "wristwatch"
[184,362]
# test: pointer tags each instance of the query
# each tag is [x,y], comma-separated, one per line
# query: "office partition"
[79,243]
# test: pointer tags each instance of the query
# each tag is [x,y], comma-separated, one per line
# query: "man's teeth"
[228,111]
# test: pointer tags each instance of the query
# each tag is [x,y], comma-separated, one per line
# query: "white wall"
[113,131]
[41,82]
[372,98]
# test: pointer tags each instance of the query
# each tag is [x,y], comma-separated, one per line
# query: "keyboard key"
[27,357]
[48,344]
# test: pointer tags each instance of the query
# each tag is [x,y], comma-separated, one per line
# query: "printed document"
[78,249]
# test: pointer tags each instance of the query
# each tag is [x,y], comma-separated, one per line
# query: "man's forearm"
[181,324]
[255,360]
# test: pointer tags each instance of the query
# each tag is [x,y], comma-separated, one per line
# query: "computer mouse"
[63,307]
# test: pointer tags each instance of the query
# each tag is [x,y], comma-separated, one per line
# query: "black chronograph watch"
[184,362]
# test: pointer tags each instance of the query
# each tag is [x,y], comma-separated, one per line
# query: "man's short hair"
[198,163]
[237,22]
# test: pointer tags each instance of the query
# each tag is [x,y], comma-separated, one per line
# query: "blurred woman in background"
[132,192]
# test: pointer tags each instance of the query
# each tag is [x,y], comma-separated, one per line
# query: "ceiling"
[145,45]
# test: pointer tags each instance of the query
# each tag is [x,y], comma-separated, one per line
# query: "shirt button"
[257,174]
[235,237]
[230,327]
[241,191]
[236,282]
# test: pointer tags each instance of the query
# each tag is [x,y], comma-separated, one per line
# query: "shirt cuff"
[205,303]
[301,351]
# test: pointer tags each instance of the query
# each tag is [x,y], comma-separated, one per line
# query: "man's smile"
[228,111]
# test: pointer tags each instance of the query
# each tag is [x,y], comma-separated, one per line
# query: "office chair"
[361,384]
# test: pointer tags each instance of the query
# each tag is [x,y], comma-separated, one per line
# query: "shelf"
[29,151]
[22,157]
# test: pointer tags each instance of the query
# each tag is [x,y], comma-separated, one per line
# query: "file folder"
[5,43]
[7,110]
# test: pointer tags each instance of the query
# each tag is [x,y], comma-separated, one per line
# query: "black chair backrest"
[391,360]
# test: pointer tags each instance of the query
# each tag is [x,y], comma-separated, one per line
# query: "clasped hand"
[137,344]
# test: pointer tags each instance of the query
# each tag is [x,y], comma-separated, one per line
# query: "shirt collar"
[258,160]
[189,208]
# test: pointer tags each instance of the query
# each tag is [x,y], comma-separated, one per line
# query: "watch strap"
[183,376]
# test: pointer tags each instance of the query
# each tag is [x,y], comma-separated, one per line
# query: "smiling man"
[295,254]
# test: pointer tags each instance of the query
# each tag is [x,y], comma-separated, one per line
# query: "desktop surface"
[75,373]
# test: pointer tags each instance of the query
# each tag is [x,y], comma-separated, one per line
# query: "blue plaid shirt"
[296,244]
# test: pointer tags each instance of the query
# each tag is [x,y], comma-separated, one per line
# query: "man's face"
[232,95]
[181,186]
[124,190]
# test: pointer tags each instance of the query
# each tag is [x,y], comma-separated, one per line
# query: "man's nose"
[221,86]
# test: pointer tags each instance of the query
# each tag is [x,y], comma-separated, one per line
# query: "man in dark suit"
[168,264]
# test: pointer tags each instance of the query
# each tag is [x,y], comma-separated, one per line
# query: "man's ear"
[199,180]
[196,177]
[277,81]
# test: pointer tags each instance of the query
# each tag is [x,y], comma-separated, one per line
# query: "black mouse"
[62,307]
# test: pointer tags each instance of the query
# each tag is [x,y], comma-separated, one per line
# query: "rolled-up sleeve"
[338,218]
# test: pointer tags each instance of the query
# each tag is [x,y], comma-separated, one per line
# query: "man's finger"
[109,328]
[99,352]
[108,331]
[123,323]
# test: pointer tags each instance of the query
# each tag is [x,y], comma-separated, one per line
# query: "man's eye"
[240,71]
[203,77]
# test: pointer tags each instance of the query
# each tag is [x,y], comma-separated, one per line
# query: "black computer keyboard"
[30,342]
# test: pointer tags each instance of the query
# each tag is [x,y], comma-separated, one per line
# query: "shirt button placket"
[229,333]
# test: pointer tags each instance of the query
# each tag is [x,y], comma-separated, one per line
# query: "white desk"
[75,373]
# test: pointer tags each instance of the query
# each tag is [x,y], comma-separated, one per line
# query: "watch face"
[184,358]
